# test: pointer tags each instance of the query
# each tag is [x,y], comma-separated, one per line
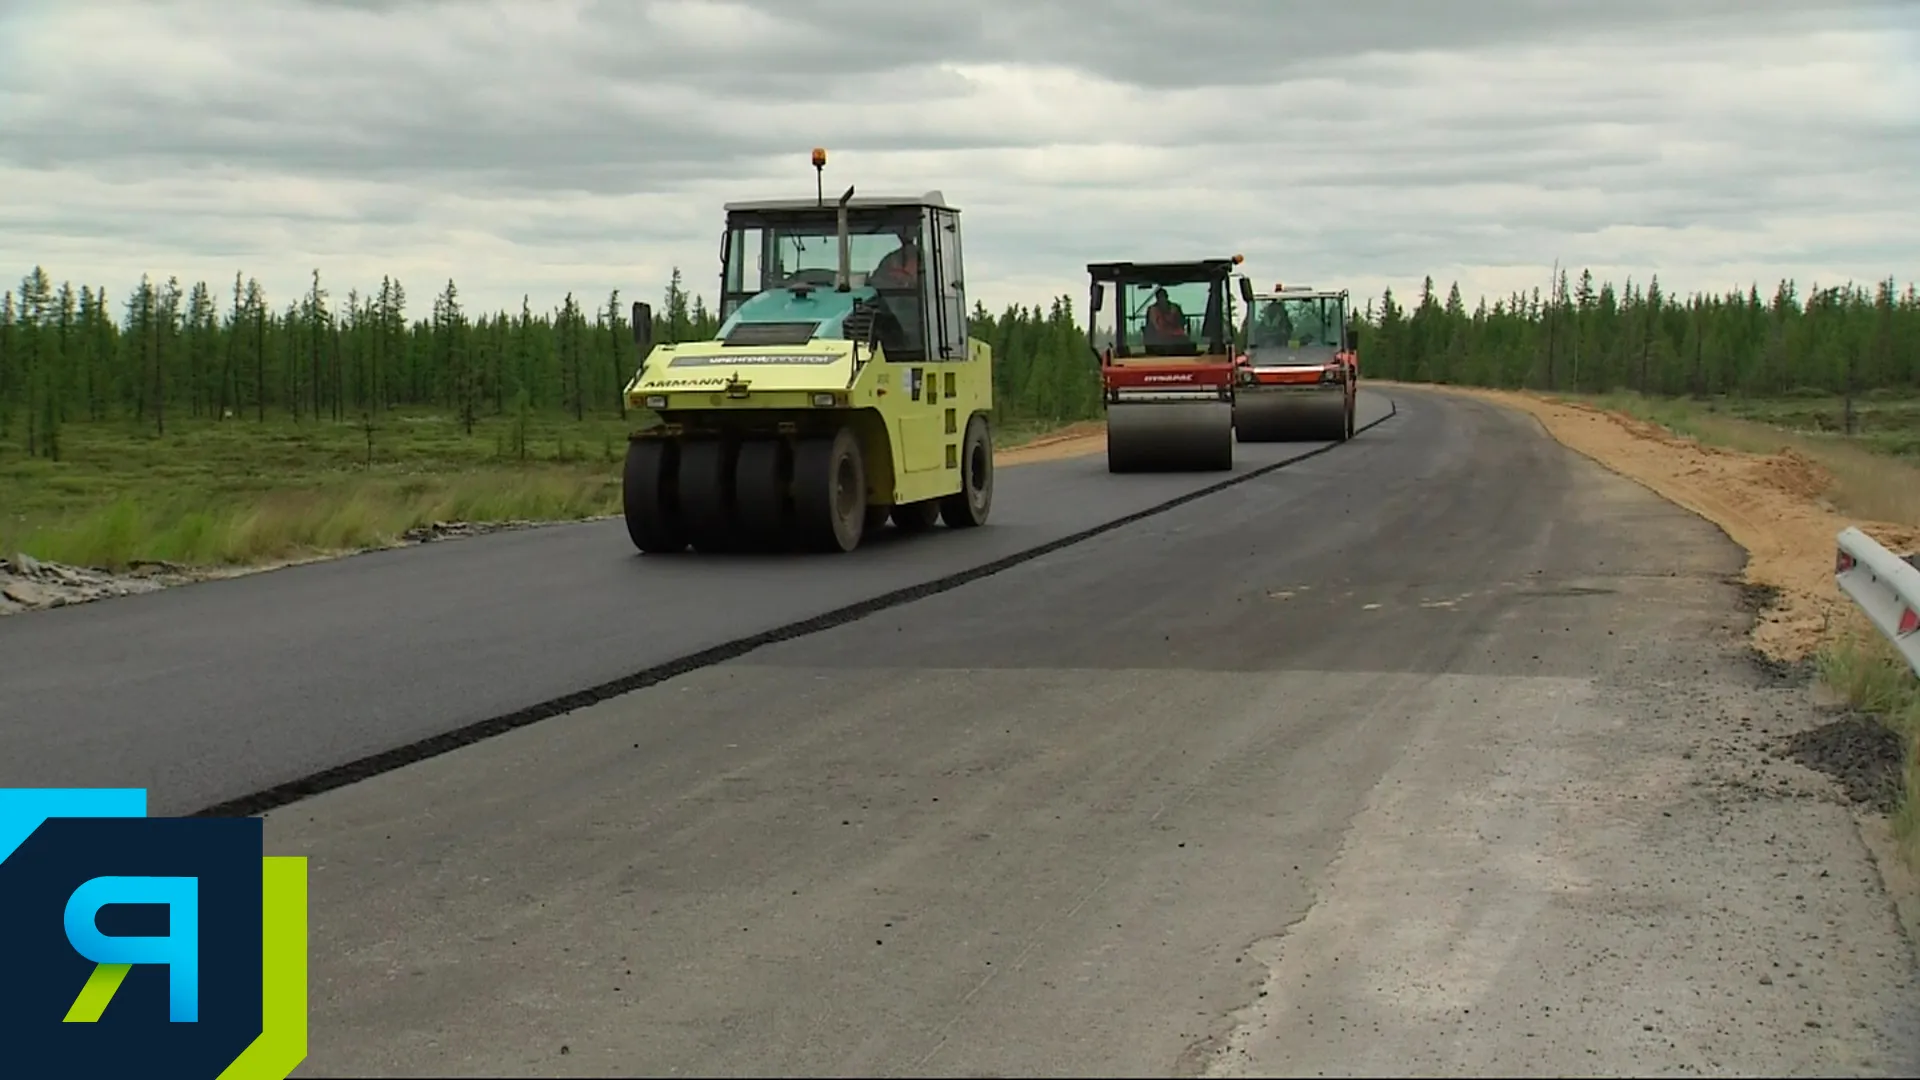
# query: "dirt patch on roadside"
[30,584]
[1863,756]
[1775,506]
[1077,440]
[1798,475]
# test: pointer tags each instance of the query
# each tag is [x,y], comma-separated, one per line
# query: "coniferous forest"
[163,353]
[1596,338]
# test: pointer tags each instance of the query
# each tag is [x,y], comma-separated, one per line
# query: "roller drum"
[1169,436]
[1289,416]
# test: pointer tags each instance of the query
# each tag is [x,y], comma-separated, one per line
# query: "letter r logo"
[179,950]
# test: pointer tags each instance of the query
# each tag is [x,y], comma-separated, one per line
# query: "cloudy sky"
[541,146]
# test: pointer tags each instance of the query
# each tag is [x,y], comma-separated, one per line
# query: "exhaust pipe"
[845,282]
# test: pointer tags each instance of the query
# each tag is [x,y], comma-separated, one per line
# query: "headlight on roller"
[824,401]
[656,401]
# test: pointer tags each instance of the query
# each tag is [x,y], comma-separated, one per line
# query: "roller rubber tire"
[648,490]
[830,492]
[762,478]
[916,517]
[969,507]
[706,495]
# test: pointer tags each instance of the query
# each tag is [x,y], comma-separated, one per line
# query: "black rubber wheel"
[706,494]
[648,490]
[762,478]
[969,507]
[830,492]
[916,517]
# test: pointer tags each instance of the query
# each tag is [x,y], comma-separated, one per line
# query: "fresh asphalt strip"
[399,757]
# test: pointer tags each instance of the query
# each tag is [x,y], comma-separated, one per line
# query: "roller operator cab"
[1298,378]
[841,390]
[1166,366]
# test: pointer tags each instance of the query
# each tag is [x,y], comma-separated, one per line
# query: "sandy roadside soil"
[1077,440]
[1774,506]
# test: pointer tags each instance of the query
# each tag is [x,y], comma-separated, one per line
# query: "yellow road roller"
[842,389]
[1299,378]
[1167,371]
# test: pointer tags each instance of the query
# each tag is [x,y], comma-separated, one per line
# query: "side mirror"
[1099,295]
[643,328]
[1246,290]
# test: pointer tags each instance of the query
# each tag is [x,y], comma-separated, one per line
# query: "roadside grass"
[241,492]
[1876,474]
[1866,670]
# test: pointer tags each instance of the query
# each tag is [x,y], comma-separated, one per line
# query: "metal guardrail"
[1885,586]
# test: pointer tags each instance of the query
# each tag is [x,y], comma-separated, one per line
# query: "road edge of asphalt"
[372,765]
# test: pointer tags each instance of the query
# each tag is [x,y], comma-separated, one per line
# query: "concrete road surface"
[1437,754]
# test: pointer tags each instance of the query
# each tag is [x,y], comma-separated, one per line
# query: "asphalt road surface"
[216,691]
[1439,753]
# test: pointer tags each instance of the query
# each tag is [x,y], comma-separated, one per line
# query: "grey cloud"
[462,93]
[1388,167]
[1231,42]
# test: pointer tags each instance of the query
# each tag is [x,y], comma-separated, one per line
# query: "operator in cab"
[1311,327]
[1273,328]
[1166,322]
[899,268]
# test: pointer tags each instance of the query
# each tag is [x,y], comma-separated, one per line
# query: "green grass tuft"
[1870,674]
[240,492]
